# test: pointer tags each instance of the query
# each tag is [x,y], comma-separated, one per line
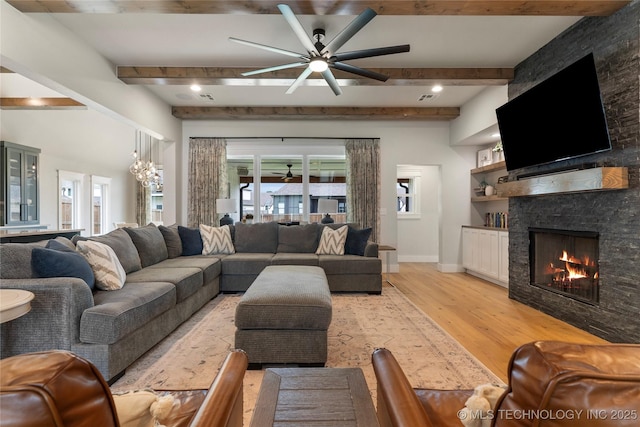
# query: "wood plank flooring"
[480,315]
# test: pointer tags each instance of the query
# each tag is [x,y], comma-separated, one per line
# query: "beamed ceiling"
[167,46]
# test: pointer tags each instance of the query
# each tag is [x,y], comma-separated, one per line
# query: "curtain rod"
[282,138]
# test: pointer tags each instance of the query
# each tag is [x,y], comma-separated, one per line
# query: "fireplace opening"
[565,262]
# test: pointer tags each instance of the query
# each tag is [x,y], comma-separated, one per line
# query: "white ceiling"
[147,39]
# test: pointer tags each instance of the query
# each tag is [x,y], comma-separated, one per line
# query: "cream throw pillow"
[142,408]
[332,241]
[108,271]
[216,240]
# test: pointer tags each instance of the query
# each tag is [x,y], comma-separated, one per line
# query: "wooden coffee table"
[314,396]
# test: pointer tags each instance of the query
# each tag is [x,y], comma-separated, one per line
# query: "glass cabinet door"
[20,184]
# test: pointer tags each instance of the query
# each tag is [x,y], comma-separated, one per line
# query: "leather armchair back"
[54,388]
[566,384]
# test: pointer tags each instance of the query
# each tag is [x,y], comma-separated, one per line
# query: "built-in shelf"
[596,179]
[489,168]
[487,198]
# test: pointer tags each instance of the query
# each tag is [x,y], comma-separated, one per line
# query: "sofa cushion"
[210,266]
[349,264]
[187,280]
[122,245]
[245,264]
[150,244]
[216,240]
[191,241]
[108,271]
[15,260]
[171,240]
[117,314]
[356,241]
[298,238]
[283,258]
[50,262]
[332,241]
[261,237]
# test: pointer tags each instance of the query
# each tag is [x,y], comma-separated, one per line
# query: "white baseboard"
[417,258]
[450,268]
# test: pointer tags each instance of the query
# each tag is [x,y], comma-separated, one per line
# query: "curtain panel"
[363,184]
[207,180]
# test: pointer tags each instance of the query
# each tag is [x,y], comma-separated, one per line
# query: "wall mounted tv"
[560,118]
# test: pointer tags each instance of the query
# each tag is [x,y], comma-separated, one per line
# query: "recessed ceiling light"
[436,88]
[196,88]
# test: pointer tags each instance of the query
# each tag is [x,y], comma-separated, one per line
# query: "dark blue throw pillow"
[356,241]
[191,240]
[61,263]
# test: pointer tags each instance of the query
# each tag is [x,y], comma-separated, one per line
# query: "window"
[292,177]
[408,192]
[157,202]
[70,187]
[100,199]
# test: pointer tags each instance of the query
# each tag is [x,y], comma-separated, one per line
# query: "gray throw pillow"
[124,248]
[149,243]
[298,238]
[172,240]
[261,237]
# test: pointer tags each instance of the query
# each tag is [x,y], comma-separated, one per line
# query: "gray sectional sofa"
[167,280]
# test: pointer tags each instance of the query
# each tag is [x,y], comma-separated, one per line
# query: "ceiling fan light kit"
[320,57]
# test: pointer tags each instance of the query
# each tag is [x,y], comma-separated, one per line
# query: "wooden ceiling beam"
[40,104]
[315,113]
[316,7]
[233,76]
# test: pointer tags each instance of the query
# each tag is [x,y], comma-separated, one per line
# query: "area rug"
[190,357]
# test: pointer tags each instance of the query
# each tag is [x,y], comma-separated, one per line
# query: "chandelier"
[144,171]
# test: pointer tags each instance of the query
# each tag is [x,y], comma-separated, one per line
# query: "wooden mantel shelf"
[596,179]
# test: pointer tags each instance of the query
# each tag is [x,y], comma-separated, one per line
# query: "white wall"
[401,143]
[82,141]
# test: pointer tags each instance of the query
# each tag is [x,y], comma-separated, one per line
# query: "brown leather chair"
[58,388]
[550,384]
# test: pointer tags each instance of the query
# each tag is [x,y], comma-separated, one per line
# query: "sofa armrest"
[54,319]
[398,405]
[371,250]
[223,405]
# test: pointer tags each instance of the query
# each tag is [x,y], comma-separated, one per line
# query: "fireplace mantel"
[578,181]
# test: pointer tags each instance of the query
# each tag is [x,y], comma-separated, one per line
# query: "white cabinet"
[485,253]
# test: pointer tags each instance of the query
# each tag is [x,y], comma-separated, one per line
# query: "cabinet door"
[504,256]
[470,249]
[488,247]
[20,185]
[15,178]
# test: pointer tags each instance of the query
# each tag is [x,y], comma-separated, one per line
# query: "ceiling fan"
[287,176]
[320,57]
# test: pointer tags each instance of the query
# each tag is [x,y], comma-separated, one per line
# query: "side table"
[14,303]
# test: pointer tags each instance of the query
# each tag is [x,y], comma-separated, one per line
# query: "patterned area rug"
[191,356]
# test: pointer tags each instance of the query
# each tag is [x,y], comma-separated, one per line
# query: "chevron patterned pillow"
[108,271]
[332,241]
[216,240]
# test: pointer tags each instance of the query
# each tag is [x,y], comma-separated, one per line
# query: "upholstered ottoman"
[284,315]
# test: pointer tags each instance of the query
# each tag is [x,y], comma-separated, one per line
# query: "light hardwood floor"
[480,315]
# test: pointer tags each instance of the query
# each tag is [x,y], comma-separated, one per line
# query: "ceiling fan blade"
[349,31]
[359,71]
[270,48]
[297,28]
[332,82]
[368,53]
[276,68]
[298,81]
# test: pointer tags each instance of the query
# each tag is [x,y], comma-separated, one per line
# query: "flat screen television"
[560,118]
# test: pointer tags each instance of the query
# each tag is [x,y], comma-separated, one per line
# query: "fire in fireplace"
[565,262]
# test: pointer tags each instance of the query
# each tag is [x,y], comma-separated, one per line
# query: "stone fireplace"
[613,215]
